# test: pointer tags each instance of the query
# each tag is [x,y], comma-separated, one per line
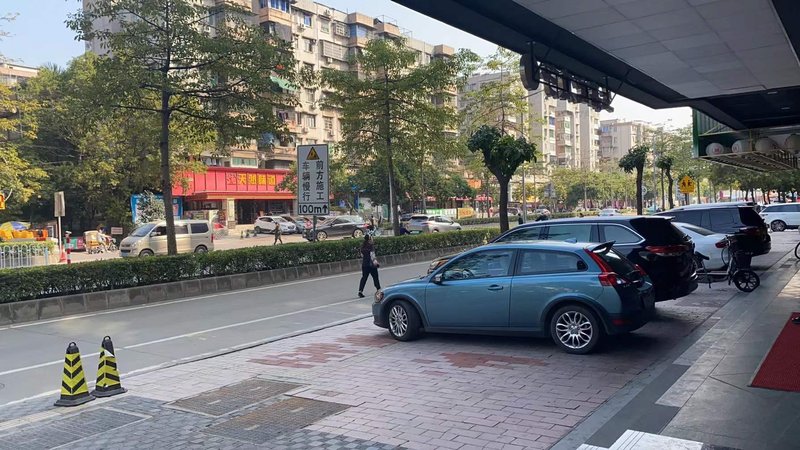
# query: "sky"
[39,36]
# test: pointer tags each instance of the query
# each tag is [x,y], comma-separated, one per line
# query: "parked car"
[574,293]
[739,220]
[649,241]
[267,224]
[607,212]
[781,217]
[541,211]
[424,223]
[352,226]
[707,242]
[151,238]
[298,221]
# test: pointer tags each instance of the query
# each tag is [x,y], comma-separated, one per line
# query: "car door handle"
[495,287]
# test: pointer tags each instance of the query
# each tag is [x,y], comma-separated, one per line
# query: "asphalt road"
[149,336]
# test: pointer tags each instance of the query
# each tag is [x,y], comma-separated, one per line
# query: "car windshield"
[750,217]
[699,230]
[419,218]
[658,231]
[143,230]
[279,219]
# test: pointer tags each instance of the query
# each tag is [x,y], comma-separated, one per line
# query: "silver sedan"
[423,223]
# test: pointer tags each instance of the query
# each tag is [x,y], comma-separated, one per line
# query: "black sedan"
[341,226]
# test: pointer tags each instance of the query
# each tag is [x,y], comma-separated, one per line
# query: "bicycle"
[738,269]
[797,251]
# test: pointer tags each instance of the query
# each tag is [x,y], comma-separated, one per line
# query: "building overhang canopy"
[734,60]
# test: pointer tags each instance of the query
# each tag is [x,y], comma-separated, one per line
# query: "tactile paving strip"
[234,397]
[271,421]
[54,433]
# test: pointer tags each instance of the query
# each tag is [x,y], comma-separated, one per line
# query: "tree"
[635,159]
[387,112]
[664,163]
[183,59]
[502,155]
[150,208]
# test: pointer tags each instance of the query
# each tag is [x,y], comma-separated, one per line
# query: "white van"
[151,238]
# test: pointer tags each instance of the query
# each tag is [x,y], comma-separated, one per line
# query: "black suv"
[651,242]
[739,220]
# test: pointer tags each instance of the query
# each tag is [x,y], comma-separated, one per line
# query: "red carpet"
[781,368]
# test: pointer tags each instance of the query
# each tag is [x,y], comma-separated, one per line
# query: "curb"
[68,305]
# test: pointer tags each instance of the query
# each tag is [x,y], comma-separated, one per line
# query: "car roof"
[541,245]
[712,205]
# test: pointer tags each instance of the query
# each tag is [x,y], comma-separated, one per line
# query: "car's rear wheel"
[357,233]
[404,321]
[778,225]
[145,253]
[321,235]
[575,329]
[201,249]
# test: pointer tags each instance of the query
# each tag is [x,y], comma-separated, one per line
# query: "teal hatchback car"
[576,293]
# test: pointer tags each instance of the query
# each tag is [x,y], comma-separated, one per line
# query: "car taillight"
[612,279]
[721,244]
[640,270]
[667,250]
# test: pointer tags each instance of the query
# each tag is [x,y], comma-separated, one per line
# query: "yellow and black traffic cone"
[74,391]
[108,382]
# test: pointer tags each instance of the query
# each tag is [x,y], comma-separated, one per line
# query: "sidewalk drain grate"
[271,421]
[62,431]
[234,397]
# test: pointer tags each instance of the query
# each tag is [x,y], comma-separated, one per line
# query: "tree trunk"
[639,190]
[389,160]
[671,184]
[166,175]
[503,204]
[663,193]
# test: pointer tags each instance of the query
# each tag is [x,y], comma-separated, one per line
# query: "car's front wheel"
[404,321]
[257,230]
[575,329]
[321,235]
[358,233]
[778,225]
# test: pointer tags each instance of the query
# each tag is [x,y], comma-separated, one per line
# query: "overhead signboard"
[687,185]
[313,192]
[59,204]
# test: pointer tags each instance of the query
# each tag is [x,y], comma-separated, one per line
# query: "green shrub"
[49,245]
[51,281]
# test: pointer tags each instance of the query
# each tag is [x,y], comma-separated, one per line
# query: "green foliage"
[395,112]
[150,208]
[207,65]
[51,281]
[49,245]
[502,156]
[635,160]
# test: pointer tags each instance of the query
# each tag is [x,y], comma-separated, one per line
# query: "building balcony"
[274,15]
[361,19]
[388,29]
[281,153]
[443,50]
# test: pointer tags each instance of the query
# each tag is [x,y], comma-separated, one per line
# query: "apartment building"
[566,134]
[13,74]
[617,136]
[244,183]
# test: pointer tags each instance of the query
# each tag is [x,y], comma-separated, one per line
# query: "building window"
[325,26]
[359,31]
[310,121]
[310,95]
[328,123]
[308,45]
[307,19]
[282,5]
[244,162]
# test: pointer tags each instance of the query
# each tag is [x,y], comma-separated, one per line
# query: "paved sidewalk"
[450,392]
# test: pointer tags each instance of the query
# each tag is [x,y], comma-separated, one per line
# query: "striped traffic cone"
[74,391]
[108,382]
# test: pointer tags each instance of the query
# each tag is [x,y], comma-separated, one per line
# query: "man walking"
[277,234]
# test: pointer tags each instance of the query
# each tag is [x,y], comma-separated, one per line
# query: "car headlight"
[134,244]
[379,296]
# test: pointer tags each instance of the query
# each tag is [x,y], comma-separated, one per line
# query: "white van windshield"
[143,230]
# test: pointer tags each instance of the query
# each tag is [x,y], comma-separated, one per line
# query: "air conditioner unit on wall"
[329,60]
[327,13]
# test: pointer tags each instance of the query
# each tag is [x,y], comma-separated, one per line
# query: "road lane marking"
[185,335]
[191,299]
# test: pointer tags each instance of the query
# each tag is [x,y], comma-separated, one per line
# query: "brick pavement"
[443,391]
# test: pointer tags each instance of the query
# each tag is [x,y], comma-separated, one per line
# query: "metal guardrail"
[15,256]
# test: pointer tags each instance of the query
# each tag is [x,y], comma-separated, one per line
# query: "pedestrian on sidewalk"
[369,265]
[277,234]
[519,219]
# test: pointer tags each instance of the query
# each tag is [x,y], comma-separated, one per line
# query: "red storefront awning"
[219,183]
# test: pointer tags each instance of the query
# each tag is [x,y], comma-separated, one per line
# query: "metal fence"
[14,256]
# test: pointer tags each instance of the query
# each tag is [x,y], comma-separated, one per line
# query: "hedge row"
[51,281]
[50,245]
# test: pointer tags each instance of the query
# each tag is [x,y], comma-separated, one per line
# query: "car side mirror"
[437,278]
